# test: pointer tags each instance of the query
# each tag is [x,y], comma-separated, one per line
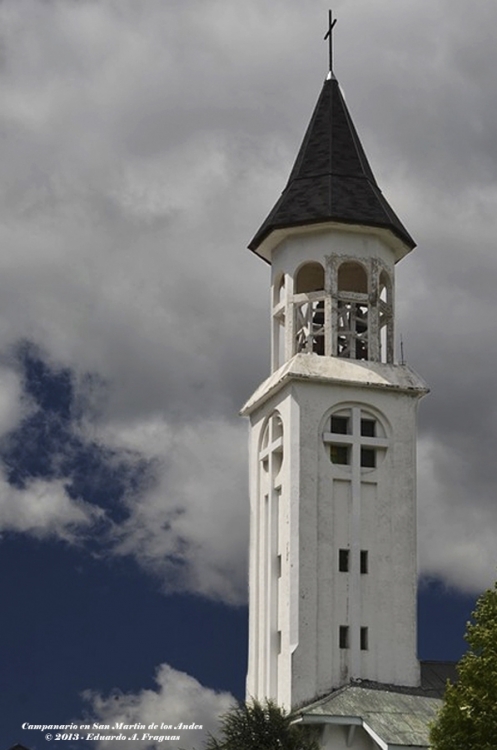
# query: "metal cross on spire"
[329,37]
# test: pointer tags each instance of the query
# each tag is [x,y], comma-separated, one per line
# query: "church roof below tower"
[331,179]
[400,716]
[396,719]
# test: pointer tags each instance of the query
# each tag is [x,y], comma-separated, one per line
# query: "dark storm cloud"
[143,145]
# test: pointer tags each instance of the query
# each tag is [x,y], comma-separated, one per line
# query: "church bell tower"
[333,570]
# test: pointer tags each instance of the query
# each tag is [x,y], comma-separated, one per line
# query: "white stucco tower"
[332,434]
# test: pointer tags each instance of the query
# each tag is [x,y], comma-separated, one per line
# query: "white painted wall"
[317,246]
[321,511]
[322,507]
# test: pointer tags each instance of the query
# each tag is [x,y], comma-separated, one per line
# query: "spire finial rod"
[329,37]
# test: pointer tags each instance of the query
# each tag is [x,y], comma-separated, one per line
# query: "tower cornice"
[338,371]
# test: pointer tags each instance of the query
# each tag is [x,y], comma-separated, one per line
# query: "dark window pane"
[340,425]
[343,636]
[368,458]
[339,454]
[318,344]
[364,561]
[318,316]
[343,560]
[364,639]
[361,350]
[368,427]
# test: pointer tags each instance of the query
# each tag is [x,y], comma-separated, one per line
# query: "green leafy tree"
[468,718]
[256,726]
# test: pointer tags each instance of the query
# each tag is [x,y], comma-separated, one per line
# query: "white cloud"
[190,526]
[178,698]
[44,509]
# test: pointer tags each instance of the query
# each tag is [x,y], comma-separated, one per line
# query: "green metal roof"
[398,718]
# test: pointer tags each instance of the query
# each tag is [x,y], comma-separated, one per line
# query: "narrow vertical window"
[343,560]
[278,566]
[364,561]
[343,636]
[364,639]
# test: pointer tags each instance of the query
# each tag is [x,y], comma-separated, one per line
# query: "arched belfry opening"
[309,278]
[309,296]
[352,328]
[279,320]
[342,307]
[385,317]
[352,277]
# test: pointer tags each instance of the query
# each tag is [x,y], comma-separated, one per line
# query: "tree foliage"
[468,718]
[256,726]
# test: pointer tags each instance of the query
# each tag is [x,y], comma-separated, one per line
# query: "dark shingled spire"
[331,179]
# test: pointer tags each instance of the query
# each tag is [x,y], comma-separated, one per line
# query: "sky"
[141,146]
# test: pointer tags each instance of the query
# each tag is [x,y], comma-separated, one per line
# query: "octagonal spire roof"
[331,179]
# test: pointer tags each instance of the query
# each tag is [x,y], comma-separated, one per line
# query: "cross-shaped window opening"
[355,437]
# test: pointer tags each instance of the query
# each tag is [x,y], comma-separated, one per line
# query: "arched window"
[279,304]
[270,553]
[352,277]
[279,290]
[271,453]
[345,311]
[309,278]
[354,436]
[385,317]
[352,311]
[309,309]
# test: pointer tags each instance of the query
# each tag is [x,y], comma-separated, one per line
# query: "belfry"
[333,568]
